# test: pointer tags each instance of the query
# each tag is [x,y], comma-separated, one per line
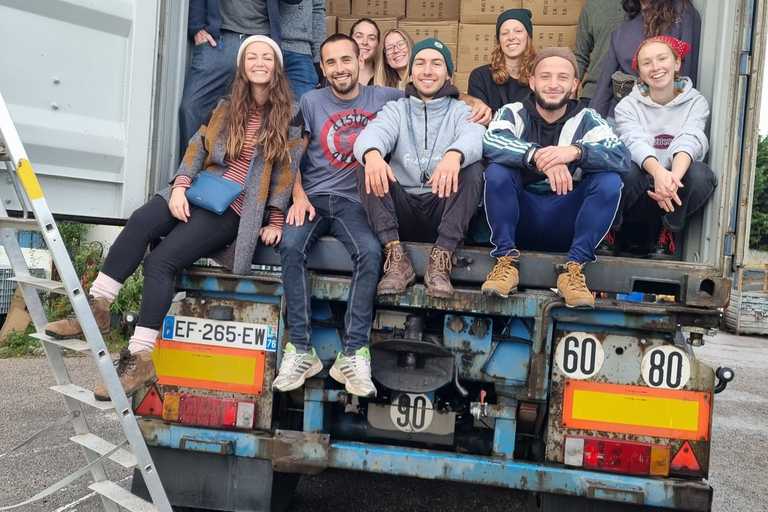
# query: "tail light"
[626,457]
[202,411]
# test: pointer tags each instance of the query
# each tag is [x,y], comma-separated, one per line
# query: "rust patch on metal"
[300,452]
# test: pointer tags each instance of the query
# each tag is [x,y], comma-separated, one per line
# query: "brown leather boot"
[503,278]
[70,327]
[437,278]
[572,286]
[398,271]
[135,371]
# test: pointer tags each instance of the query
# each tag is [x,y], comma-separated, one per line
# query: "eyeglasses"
[400,46]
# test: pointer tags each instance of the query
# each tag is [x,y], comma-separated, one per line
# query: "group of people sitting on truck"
[375,166]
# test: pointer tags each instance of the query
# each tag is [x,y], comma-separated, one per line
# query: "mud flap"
[218,482]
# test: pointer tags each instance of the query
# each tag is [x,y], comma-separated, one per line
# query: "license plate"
[217,333]
[411,413]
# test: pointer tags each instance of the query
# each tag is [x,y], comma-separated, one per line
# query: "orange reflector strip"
[206,367]
[685,459]
[637,410]
[659,460]
[171,404]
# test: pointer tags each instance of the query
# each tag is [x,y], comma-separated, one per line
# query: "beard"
[547,105]
[344,89]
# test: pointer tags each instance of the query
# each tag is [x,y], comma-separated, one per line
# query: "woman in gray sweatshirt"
[662,122]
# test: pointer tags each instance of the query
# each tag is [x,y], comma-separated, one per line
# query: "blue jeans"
[575,222]
[345,220]
[208,78]
[300,71]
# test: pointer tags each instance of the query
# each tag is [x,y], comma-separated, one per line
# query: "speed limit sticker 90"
[579,355]
[666,367]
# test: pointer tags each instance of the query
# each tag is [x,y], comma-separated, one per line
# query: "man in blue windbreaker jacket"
[554,179]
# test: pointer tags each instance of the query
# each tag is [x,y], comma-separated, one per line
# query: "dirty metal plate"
[300,452]
[411,413]
[252,313]
[622,366]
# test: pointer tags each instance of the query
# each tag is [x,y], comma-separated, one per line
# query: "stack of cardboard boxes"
[468,27]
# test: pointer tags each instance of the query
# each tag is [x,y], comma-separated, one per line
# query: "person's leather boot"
[572,286]
[70,327]
[437,278]
[503,278]
[398,271]
[135,371]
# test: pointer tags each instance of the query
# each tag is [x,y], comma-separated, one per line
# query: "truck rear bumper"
[310,453]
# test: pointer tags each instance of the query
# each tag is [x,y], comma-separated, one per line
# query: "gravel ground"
[739,445]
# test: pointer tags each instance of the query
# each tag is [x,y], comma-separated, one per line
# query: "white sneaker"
[355,372]
[295,368]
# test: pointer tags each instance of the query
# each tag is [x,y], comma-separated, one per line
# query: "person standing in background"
[646,18]
[598,20]
[217,27]
[367,35]
[395,54]
[505,79]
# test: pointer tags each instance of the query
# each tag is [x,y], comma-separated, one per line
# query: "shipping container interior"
[719,81]
[96,96]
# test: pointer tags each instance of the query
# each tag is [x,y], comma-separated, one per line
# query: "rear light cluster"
[626,457]
[200,411]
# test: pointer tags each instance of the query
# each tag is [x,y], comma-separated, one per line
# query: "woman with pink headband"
[662,122]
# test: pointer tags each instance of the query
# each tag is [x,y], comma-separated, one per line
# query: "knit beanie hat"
[678,47]
[259,39]
[555,51]
[434,44]
[521,15]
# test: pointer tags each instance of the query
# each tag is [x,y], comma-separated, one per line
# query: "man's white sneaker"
[295,368]
[355,372]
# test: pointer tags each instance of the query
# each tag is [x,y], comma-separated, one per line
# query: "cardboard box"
[461,81]
[553,35]
[446,31]
[330,25]
[485,11]
[555,12]
[344,24]
[476,42]
[338,8]
[432,10]
[378,8]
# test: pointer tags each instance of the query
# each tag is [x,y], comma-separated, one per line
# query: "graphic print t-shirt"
[333,126]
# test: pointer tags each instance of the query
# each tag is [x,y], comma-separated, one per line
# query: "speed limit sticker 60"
[579,355]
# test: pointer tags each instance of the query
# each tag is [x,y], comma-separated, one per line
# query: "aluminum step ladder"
[96,450]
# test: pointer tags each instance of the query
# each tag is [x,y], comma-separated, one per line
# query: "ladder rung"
[82,395]
[121,497]
[19,224]
[70,344]
[42,284]
[101,446]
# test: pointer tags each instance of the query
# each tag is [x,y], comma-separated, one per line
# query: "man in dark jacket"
[217,27]
[554,182]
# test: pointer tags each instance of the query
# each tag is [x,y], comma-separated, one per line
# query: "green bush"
[758,235]
[20,344]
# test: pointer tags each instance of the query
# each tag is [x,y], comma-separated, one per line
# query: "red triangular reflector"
[685,459]
[151,405]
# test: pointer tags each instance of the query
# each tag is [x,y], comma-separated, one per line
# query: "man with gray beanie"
[423,177]
[554,179]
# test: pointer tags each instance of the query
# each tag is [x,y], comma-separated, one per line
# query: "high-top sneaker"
[666,246]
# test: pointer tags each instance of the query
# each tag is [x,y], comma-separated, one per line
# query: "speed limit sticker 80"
[579,355]
[666,367]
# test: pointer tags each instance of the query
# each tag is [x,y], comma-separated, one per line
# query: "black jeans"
[184,243]
[425,217]
[698,185]
[345,220]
